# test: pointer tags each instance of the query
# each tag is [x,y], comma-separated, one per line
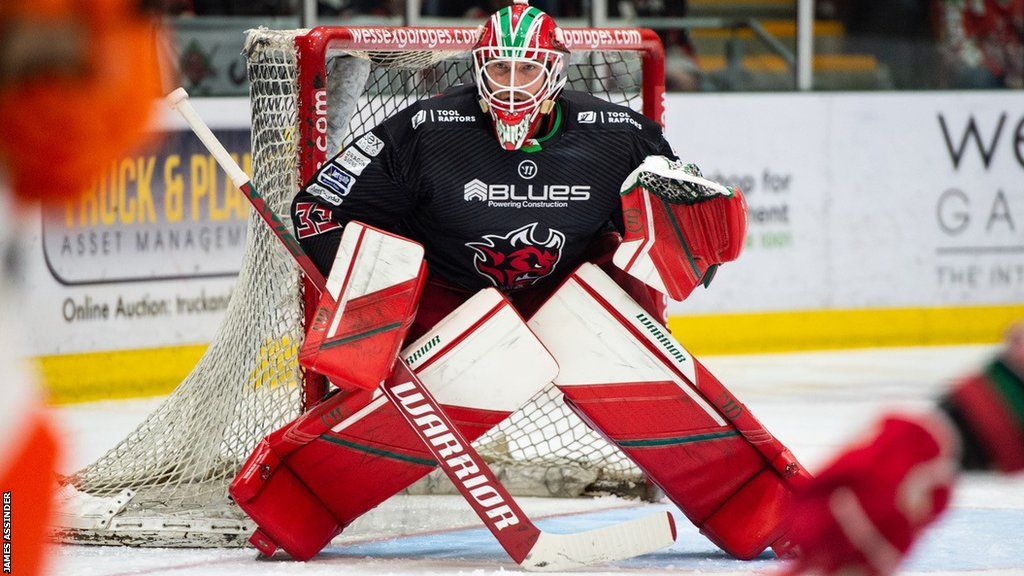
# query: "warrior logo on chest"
[519,258]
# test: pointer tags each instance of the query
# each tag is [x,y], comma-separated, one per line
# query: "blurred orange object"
[28,482]
[76,90]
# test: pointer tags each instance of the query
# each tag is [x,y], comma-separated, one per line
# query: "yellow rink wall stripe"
[91,376]
[94,376]
[838,329]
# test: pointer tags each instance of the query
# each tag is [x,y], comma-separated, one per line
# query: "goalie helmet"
[519,62]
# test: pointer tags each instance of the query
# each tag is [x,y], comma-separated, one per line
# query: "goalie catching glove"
[679,226]
[674,182]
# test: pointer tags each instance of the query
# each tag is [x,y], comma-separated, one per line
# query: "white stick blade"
[557,552]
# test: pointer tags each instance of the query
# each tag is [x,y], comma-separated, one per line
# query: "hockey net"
[311,93]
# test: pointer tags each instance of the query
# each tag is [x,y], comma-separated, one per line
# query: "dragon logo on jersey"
[519,258]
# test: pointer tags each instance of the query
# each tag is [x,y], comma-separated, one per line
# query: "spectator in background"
[982,43]
[681,71]
[900,34]
[549,6]
[649,8]
[168,7]
[902,18]
[481,9]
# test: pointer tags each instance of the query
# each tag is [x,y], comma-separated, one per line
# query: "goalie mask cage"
[311,93]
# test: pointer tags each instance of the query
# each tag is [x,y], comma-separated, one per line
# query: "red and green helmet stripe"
[512,32]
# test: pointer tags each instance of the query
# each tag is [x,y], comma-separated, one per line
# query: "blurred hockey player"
[517,184]
[868,507]
[77,82]
[28,449]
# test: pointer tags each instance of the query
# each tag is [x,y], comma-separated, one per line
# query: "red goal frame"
[312,49]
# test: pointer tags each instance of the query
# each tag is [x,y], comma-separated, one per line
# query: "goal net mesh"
[167,480]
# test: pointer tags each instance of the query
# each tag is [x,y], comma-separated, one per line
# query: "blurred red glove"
[864,511]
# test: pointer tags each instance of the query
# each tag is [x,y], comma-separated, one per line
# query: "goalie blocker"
[624,375]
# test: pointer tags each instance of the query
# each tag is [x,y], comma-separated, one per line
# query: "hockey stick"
[526,544]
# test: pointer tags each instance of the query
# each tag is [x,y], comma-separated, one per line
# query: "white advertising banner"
[856,201]
[148,256]
[864,200]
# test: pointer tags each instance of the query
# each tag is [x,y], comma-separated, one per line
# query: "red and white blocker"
[674,247]
[629,379]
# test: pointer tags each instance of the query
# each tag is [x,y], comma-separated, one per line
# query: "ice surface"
[813,402]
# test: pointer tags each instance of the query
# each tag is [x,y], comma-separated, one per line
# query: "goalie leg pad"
[749,520]
[348,456]
[630,380]
[273,494]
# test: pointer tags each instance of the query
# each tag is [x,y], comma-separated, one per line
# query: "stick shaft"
[517,541]
[503,516]
[179,101]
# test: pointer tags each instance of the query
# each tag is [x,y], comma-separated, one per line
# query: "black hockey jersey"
[486,216]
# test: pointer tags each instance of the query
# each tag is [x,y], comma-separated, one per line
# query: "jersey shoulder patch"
[587,112]
[457,108]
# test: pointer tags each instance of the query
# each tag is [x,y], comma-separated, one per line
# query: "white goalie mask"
[519,62]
